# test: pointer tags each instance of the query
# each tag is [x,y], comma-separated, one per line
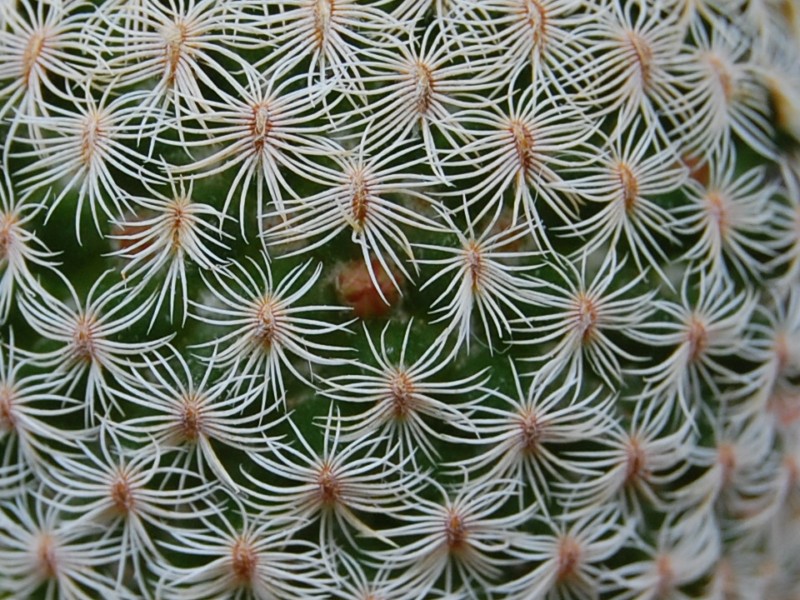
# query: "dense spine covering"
[400,299]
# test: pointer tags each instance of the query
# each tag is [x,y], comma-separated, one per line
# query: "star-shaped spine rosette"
[127,494]
[487,278]
[685,552]
[271,330]
[186,46]
[364,193]
[737,465]
[726,98]
[638,52]
[267,130]
[89,148]
[459,539]
[416,89]
[547,36]
[28,404]
[20,249]
[44,44]
[41,552]
[640,461]
[525,435]
[245,557]
[404,397]
[334,490]
[88,332]
[567,562]
[730,218]
[704,329]
[190,416]
[328,33]
[580,317]
[775,347]
[522,149]
[170,233]
[629,184]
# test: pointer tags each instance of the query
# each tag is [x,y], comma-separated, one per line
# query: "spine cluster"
[400,299]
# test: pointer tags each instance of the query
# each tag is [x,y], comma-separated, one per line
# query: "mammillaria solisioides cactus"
[399,299]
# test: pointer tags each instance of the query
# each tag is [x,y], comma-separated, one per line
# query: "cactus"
[400,299]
